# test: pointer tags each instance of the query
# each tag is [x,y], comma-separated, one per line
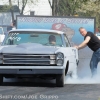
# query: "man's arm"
[84,43]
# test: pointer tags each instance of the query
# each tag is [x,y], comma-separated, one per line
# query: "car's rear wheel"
[1,79]
[60,80]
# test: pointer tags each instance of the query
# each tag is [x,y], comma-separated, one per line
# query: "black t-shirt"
[94,42]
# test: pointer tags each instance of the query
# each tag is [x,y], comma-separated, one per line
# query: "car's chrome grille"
[26,59]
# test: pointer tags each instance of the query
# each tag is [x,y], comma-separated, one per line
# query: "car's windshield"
[44,38]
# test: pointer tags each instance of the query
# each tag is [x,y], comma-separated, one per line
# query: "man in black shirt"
[93,43]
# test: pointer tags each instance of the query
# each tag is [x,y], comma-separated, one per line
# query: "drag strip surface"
[83,88]
[44,91]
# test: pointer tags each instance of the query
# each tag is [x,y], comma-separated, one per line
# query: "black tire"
[60,80]
[1,79]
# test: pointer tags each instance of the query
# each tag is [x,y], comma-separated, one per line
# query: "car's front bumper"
[31,69]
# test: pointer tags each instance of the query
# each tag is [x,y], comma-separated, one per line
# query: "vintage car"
[37,53]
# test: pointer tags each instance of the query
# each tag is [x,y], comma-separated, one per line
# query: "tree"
[68,7]
[54,6]
[20,3]
[65,7]
[91,9]
[23,3]
[10,4]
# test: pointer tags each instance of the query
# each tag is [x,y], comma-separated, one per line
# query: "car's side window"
[66,40]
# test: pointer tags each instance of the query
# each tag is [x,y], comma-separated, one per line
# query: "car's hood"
[28,48]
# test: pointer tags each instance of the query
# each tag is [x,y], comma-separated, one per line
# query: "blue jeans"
[94,62]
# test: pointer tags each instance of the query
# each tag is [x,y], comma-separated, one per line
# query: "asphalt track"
[83,88]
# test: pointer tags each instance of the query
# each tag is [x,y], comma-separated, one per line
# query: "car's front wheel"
[60,80]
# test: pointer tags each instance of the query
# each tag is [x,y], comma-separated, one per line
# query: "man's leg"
[93,64]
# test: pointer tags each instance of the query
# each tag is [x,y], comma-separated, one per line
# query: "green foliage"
[65,7]
[84,8]
[91,8]
[5,8]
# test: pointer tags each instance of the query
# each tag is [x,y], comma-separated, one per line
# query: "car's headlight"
[59,59]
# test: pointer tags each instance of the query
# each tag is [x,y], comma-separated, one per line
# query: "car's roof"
[39,30]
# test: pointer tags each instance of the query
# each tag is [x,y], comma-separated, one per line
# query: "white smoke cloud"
[84,74]
[85,80]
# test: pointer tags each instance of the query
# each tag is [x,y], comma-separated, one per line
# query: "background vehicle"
[2,36]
